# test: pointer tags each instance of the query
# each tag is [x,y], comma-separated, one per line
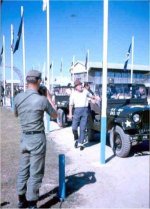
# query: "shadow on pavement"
[142,149]
[96,139]
[73,183]
[4,203]
[110,158]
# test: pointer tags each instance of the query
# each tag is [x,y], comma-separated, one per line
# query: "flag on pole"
[18,36]
[44,4]
[12,41]
[1,55]
[72,63]
[128,57]
[86,60]
[61,66]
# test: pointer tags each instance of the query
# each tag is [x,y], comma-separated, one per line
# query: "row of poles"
[104,78]
[61,192]
[12,61]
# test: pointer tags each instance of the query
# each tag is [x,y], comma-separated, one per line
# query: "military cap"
[34,73]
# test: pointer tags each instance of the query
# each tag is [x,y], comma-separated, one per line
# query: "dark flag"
[61,66]
[1,55]
[86,60]
[18,36]
[72,63]
[50,66]
[128,57]
[12,41]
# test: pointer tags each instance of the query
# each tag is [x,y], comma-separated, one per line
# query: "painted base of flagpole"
[4,101]
[103,139]
[62,185]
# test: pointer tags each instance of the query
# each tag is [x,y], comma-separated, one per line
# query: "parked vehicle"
[128,117]
[61,98]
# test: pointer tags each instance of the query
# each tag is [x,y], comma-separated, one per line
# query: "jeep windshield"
[62,90]
[123,91]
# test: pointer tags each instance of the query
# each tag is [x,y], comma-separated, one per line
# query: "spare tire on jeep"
[62,118]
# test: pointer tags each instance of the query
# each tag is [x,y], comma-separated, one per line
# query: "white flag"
[44,4]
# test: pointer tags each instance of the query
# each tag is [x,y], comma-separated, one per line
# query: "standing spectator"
[1,94]
[79,100]
[30,107]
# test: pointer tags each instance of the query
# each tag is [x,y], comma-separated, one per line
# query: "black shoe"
[32,204]
[23,203]
[76,144]
[82,147]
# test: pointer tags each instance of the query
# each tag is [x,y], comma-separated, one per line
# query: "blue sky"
[76,26]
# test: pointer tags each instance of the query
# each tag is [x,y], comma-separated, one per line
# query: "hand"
[97,98]
[69,116]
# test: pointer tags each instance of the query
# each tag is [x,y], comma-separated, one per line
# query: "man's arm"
[49,97]
[70,111]
[15,112]
[71,104]
[15,109]
[53,113]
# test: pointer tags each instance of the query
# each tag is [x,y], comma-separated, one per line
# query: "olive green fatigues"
[30,107]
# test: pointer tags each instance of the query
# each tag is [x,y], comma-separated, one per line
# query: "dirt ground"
[120,183]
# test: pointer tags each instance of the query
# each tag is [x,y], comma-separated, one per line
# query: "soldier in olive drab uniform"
[30,107]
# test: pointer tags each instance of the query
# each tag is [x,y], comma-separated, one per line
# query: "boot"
[23,203]
[75,133]
[32,204]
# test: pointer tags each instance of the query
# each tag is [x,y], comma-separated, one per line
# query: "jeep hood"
[132,109]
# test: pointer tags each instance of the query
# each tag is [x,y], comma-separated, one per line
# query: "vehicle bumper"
[135,139]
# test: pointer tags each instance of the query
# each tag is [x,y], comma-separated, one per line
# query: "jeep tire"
[62,118]
[120,142]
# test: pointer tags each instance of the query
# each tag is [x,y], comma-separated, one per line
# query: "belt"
[80,107]
[32,132]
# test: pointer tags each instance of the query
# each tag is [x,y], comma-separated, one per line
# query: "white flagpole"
[48,45]
[12,64]
[104,83]
[23,51]
[52,76]
[48,59]
[132,59]
[73,69]
[61,75]
[4,73]
[87,65]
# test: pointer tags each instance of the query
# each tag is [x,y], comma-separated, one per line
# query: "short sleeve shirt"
[80,99]
[30,107]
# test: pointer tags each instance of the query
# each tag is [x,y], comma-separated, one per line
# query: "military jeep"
[128,116]
[61,98]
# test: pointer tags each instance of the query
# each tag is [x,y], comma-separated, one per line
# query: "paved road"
[120,183]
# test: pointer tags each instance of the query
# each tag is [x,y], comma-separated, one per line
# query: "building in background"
[141,73]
